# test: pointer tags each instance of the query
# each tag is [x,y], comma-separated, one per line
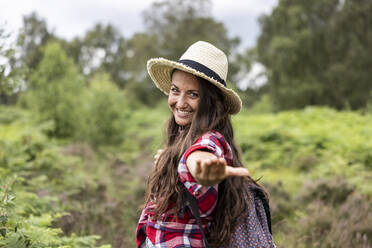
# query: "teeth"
[184,112]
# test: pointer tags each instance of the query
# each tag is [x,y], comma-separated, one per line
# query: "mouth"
[183,113]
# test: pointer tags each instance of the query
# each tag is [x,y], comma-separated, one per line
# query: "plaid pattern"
[183,231]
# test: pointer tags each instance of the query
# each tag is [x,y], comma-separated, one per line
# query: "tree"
[10,77]
[109,111]
[179,23]
[33,36]
[55,91]
[140,48]
[102,48]
[318,53]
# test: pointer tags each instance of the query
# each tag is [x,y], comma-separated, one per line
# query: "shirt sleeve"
[141,230]
[209,142]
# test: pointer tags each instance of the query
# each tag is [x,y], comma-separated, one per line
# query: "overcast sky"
[70,18]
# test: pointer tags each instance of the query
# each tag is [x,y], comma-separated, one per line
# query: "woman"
[200,154]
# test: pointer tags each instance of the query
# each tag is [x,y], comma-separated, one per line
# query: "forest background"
[80,122]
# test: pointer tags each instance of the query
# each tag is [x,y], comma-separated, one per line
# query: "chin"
[183,122]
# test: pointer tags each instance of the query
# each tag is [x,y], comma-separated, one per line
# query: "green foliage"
[291,135]
[139,86]
[262,106]
[151,124]
[336,216]
[55,92]
[34,175]
[102,48]
[316,53]
[10,77]
[107,112]
[34,36]
[96,114]
[315,163]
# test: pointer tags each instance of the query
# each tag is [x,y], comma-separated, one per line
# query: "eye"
[174,89]
[194,94]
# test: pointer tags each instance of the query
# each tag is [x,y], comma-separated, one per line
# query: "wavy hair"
[164,187]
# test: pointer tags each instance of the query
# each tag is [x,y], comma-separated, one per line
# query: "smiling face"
[184,97]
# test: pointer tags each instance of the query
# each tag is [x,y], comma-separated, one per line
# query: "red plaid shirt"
[184,231]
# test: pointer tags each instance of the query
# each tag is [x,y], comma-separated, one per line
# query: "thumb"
[236,171]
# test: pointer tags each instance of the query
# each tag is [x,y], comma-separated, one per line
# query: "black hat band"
[202,68]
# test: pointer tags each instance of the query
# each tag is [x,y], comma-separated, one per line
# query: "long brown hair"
[164,188]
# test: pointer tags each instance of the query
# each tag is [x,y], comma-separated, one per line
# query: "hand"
[157,155]
[210,172]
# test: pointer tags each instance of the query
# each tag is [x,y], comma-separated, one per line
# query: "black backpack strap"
[190,200]
[261,195]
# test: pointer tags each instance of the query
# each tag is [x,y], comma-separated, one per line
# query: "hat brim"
[160,70]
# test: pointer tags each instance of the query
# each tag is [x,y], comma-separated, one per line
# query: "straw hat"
[203,60]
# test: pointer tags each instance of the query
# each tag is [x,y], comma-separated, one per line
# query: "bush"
[332,192]
[106,112]
[344,225]
[35,177]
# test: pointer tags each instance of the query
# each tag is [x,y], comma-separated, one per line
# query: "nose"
[181,101]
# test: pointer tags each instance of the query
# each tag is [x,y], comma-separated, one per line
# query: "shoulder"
[212,133]
[216,138]
[216,143]
[220,142]
[211,136]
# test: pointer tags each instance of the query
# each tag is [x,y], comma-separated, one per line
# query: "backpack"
[254,231]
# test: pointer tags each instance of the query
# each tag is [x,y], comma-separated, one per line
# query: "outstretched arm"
[208,170]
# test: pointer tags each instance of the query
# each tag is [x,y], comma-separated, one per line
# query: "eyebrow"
[195,90]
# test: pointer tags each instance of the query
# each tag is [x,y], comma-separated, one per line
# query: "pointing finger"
[237,171]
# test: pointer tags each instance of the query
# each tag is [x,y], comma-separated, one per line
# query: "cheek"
[195,104]
[171,101]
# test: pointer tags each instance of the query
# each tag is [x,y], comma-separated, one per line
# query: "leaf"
[11,198]
[3,219]
[3,231]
